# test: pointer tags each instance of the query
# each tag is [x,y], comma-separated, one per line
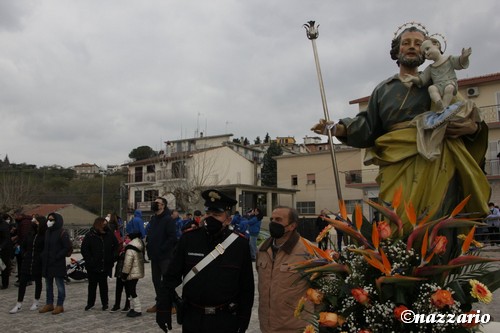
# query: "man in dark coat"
[5,248]
[161,240]
[57,245]
[219,297]
[99,249]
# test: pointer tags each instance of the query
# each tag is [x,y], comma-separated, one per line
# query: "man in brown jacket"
[280,288]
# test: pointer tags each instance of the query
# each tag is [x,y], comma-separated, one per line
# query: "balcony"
[492,167]
[158,176]
[490,113]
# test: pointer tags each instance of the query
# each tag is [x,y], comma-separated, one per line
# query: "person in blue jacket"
[136,223]
[254,222]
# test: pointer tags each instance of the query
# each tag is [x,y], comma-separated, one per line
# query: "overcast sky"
[86,81]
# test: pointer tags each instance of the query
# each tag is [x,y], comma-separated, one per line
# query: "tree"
[16,189]
[269,167]
[236,140]
[192,173]
[257,140]
[142,153]
[267,138]
[246,142]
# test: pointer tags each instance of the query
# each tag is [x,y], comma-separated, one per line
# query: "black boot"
[127,306]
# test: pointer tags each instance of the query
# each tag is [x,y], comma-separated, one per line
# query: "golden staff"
[312,35]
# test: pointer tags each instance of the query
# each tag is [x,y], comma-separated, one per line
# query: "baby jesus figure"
[441,72]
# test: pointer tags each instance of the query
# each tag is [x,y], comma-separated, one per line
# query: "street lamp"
[102,194]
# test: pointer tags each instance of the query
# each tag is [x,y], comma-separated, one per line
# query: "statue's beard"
[411,62]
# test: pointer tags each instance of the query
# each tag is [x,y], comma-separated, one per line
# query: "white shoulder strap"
[219,249]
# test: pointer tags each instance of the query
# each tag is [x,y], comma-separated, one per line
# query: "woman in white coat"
[133,270]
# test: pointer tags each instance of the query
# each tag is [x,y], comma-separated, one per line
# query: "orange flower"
[398,310]
[314,295]
[474,322]
[364,330]
[480,291]
[442,298]
[330,319]
[440,245]
[360,295]
[384,229]
[309,329]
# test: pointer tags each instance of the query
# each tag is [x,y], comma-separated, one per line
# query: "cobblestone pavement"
[75,319]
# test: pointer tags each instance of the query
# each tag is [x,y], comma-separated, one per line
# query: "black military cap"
[218,201]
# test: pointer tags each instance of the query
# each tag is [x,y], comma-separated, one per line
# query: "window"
[137,198]
[138,174]
[294,180]
[350,204]
[150,168]
[150,195]
[306,207]
[179,169]
[311,179]
[353,177]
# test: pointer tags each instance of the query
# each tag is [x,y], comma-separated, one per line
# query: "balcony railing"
[492,167]
[490,113]
[159,175]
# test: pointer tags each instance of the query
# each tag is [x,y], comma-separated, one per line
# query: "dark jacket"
[227,279]
[161,237]
[5,241]
[57,245]
[32,249]
[100,251]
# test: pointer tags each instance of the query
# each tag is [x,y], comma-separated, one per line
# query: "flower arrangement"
[384,276]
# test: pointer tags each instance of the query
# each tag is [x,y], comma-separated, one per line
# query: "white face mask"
[50,223]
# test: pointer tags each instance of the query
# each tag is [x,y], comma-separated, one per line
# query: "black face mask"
[155,206]
[212,225]
[276,230]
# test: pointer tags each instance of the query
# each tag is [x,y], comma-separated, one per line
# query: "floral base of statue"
[426,281]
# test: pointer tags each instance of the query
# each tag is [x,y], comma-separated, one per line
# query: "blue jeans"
[253,246]
[61,291]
